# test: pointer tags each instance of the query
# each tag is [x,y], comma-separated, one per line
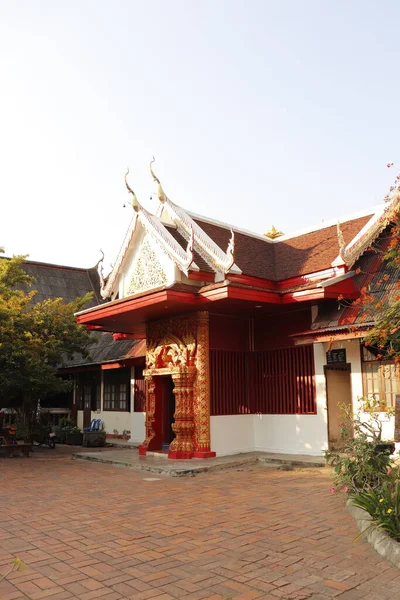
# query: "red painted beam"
[201,276]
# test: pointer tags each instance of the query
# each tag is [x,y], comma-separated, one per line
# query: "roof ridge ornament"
[160,192]
[230,253]
[351,252]
[273,233]
[100,271]
[206,247]
[135,203]
[341,242]
[189,253]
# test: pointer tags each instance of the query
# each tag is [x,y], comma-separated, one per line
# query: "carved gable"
[148,272]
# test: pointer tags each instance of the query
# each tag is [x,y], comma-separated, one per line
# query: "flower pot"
[61,436]
[74,439]
[385,448]
[94,439]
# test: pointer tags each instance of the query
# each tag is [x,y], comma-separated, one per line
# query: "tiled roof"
[253,256]
[104,349]
[200,262]
[56,281]
[372,268]
[314,251]
[300,255]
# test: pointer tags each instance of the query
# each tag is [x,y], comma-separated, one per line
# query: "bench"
[11,450]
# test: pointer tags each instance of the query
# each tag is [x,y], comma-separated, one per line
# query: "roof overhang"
[130,314]
[341,332]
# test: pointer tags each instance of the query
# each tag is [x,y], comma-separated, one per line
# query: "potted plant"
[65,425]
[94,439]
[74,437]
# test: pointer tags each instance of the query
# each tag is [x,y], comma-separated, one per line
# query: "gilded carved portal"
[179,347]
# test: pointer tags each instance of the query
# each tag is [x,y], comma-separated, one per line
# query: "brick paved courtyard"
[89,531]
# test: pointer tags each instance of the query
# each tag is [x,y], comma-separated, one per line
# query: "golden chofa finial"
[272,234]
[160,191]
[135,204]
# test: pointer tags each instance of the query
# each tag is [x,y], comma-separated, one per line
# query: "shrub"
[361,464]
[383,506]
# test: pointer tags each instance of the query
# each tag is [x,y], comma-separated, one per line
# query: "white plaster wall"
[138,429]
[114,420]
[232,434]
[79,419]
[290,434]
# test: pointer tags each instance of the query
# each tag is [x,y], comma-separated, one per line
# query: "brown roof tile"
[200,262]
[313,251]
[300,255]
[253,256]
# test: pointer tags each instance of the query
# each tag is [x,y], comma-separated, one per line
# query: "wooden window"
[139,391]
[381,381]
[117,390]
[88,390]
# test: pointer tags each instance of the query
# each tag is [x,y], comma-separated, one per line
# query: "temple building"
[225,341]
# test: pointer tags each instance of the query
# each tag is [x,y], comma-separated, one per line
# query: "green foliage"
[359,466]
[35,339]
[383,505]
[66,423]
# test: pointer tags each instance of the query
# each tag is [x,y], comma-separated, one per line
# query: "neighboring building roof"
[105,349]
[57,281]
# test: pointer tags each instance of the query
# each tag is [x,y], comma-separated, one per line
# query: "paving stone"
[105,533]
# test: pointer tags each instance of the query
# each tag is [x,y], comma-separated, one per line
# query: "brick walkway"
[89,531]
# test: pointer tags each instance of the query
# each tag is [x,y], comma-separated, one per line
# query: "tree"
[35,338]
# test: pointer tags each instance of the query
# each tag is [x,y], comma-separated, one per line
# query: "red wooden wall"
[267,382]
[276,331]
[229,332]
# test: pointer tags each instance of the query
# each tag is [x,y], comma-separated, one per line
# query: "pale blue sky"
[258,112]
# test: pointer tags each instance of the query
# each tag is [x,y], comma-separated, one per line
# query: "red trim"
[179,455]
[204,454]
[129,304]
[241,294]
[108,366]
[250,280]
[201,276]
[287,283]
[123,336]
[311,277]
[92,327]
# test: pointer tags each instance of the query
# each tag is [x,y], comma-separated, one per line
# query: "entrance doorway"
[338,391]
[166,406]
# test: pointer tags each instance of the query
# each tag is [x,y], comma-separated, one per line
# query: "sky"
[258,112]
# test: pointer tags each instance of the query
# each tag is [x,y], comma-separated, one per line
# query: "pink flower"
[332,490]
[346,489]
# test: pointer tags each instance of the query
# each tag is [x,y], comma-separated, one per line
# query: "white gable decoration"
[148,272]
